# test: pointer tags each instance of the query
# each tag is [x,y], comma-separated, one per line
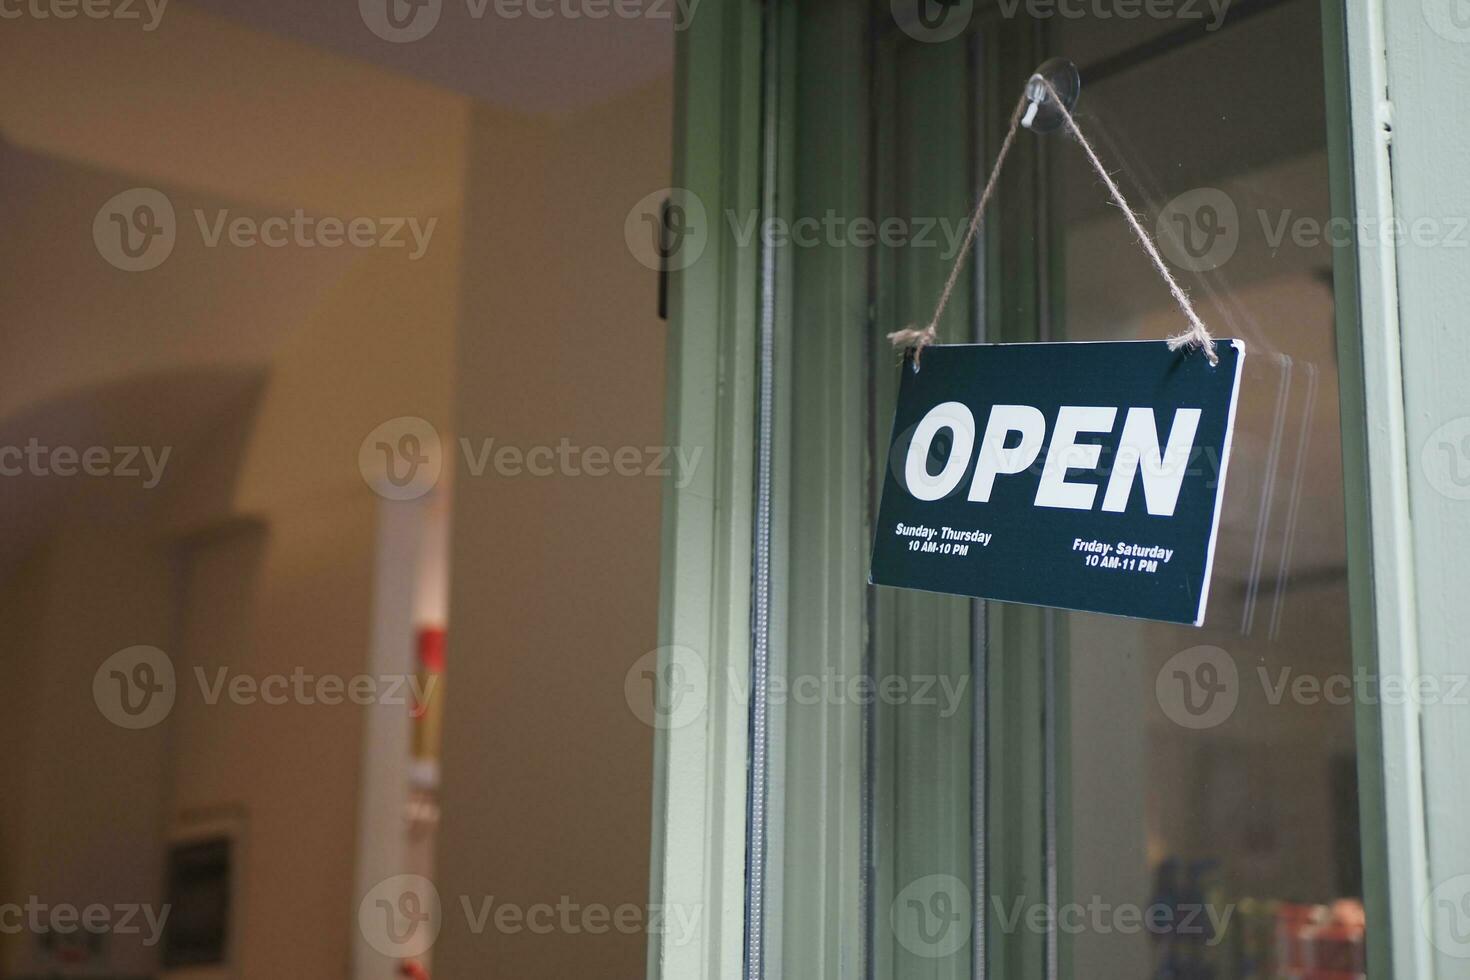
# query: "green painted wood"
[813,924]
[923,763]
[1410,141]
[1373,806]
[698,834]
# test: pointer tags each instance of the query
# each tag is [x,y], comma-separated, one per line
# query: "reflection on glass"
[1209,786]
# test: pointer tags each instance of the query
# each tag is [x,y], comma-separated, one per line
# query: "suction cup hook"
[1043,115]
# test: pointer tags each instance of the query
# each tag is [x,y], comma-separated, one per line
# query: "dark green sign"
[1081,475]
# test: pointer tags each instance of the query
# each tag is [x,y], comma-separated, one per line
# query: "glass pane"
[1209,776]
[920,763]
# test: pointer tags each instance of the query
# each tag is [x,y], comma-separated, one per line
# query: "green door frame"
[1398,154]
[1393,71]
[698,834]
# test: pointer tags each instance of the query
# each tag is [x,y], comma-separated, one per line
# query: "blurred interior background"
[255,376]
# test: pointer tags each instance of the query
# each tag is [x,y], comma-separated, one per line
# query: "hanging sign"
[1078,475]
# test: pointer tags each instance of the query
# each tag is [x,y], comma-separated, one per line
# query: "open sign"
[1085,486]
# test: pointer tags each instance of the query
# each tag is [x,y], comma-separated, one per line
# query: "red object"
[1314,942]
[431,648]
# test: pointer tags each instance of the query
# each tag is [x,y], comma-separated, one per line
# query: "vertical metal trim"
[1049,695]
[755,875]
[979,639]
[867,914]
[1053,953]
[980,796]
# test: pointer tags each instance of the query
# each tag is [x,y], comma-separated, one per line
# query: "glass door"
[991,790]
[1208,777]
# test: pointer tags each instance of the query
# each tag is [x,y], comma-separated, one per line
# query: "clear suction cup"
[1043,115]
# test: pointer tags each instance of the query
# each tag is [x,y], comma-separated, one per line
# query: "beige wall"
[547,774]
[83,806]
[264,371]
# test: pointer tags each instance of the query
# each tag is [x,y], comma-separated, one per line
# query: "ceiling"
[493,50]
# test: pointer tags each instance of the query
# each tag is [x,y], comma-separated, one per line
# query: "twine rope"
[1198,335]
